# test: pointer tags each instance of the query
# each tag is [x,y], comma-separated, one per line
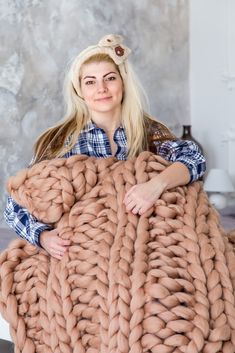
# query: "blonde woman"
[105,117]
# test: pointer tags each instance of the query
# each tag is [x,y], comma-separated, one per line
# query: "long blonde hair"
[59,139]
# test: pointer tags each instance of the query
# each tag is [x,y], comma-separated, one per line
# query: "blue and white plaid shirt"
[93,141]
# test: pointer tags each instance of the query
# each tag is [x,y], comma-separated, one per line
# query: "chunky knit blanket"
[162,282]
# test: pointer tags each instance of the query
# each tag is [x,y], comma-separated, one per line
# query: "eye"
[90,82]
[110,78]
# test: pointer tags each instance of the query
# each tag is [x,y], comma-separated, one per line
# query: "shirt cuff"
[193,172]
[36,229]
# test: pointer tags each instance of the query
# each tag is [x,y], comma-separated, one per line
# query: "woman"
[104,118]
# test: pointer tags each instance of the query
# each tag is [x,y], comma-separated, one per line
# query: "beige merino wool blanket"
[162,282]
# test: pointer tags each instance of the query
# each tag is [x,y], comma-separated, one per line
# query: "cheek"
[119,90]
[121,94]
[86,93]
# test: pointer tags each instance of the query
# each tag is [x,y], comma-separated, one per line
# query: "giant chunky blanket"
[162,282]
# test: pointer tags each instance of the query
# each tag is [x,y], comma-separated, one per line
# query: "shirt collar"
[89,126]
[92,126]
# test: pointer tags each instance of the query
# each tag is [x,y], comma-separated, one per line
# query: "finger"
[136,209]
[59,248]
[64,242]
[130,206]
[57,238]
[142,210]
[129,192]
[57,255]
[145,208]
[128,201]
[60,241]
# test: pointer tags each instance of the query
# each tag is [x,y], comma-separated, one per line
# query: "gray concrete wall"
[38,37]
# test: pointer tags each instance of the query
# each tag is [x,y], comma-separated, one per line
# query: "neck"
[107,121]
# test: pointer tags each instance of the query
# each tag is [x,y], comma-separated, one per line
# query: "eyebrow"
[111,72]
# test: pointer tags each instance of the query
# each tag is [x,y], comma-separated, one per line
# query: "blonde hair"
[60,138]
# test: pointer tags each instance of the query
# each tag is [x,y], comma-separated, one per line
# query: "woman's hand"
[142,197]
[53,244]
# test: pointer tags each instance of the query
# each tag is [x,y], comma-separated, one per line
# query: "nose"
[101,86]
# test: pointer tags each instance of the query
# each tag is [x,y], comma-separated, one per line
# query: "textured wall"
[38,37]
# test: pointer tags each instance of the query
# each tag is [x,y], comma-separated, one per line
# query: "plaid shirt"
[93,141]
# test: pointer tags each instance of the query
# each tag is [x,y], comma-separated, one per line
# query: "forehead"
[97,68]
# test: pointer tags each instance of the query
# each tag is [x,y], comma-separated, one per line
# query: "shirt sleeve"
[23,223]
[185,151]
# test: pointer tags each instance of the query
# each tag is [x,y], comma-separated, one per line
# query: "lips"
[103,99]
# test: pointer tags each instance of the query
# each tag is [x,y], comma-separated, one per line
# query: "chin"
[105,108]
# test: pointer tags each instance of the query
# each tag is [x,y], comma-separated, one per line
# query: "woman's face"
[101,87]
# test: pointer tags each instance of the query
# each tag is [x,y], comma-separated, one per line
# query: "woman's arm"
[35,232]
[186,152]
[23,223]
[141,197]
[188,165]
[176,174]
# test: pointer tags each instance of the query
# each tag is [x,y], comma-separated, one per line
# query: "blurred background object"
[218,184]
